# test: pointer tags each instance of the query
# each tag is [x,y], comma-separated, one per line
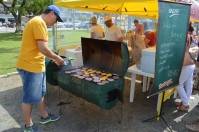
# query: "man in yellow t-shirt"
[31,65]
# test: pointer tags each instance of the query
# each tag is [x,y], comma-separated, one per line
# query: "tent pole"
[53,35]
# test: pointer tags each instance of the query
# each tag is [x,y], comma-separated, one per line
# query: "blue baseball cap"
[57,12]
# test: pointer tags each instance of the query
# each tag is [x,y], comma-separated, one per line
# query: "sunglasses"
[56,16]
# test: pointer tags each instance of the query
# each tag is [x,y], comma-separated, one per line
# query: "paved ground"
[81,116]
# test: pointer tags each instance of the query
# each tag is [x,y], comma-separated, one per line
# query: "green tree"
[35,7]
[19,8]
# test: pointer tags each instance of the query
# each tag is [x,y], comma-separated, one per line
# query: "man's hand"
[59,61]
[43,48]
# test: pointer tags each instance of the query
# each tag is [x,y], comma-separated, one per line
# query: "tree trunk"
[18,24]
[17,18]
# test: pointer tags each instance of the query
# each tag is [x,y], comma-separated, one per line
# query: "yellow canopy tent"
[138,8]
[194,20]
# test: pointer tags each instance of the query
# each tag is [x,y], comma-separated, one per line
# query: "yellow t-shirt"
[30,58]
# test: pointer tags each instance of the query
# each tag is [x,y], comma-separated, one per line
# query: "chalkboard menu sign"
[171,41]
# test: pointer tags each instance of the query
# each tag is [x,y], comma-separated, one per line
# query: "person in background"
[195,40]
[185,86]
[150,38]
[194,126]
[139,28]
[97,32]
[31,65]
[129,38]
[138,43]
[113,33]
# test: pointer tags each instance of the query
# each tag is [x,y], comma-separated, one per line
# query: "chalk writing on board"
[165,51]
[176,35]
[163,62]
[172,73]
[163,68]
[174,12]
[166,45]
[169,26]
[165,56]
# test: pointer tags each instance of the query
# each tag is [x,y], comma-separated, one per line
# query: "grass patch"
[70,37]
[10,44]
[9,49]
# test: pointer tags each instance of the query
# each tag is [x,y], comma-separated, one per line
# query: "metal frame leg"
[132,89]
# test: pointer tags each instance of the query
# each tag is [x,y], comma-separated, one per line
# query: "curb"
[8,74]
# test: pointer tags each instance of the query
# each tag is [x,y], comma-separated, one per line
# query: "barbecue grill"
[101,78]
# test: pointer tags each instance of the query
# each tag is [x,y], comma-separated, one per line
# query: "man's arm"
[120,36]
[92,34]
[43,47]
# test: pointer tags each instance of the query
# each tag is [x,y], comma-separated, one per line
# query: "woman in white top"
[97,32]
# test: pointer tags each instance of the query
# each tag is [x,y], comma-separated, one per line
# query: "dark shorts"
[34,86]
